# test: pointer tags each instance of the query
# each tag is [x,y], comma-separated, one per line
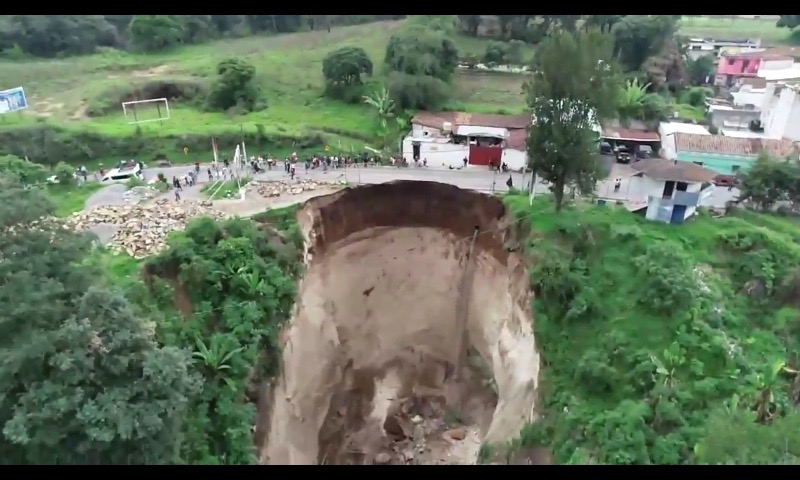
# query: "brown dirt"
[368,370]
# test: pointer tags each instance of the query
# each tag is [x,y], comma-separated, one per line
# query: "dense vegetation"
[665,345]
[55,35]
[99,366]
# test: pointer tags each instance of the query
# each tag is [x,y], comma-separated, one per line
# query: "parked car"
[623,155]
[726,180]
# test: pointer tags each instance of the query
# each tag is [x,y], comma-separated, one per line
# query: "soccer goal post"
[141,111]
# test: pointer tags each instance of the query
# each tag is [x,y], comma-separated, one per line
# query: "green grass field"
[289,71]
[736,29]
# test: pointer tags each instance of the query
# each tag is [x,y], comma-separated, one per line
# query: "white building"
[780,111]
[456,140]
[668,130]
[672,189]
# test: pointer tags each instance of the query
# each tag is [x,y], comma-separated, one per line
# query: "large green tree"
[82,379]
[573,87]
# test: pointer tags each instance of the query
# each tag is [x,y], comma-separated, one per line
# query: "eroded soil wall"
[377,318]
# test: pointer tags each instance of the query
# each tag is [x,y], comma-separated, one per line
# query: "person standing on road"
[177,194]
[210,175]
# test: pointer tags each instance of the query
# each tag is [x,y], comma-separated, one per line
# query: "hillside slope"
[84,94]
[664,345]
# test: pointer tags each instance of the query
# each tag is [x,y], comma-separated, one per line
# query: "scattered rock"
[139,194]
[382,458]
[142,229]
[455,434]
[295,187]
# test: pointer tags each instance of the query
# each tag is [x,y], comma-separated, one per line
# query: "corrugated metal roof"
[676,171]
[688,142]
[630,134]
[437,119]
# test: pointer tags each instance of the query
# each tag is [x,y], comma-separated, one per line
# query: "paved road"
[474,178]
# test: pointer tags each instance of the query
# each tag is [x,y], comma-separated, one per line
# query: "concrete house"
[447,138]
[780,111]
[673,189]
[700,47]
[667,132]
[772,64]
[728,155]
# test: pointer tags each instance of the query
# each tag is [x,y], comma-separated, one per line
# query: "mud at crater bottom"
[369,363]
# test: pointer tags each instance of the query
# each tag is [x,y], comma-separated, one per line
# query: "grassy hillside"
[656,339]
[289,69]
[736,28]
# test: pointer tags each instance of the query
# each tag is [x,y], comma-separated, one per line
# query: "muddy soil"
[391,303]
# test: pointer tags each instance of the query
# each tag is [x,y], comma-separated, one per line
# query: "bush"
[28,173]
[417,91]
[65,174]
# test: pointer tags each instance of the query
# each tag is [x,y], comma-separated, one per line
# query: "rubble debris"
[269,189]
[139,194]
[142,229]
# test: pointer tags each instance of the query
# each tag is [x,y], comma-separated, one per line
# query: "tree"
[82,379]
[421,60]
[638,37]
[342,70]
[502,53]
[700,71]
[789,21]
[470,24]
[771,181]
[604,22]
[234,86]
[156,32]
[573,86]
[420,51]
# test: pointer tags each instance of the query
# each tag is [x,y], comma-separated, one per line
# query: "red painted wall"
[485,155]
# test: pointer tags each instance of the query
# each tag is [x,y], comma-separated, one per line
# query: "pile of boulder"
[141,230]
[296,187]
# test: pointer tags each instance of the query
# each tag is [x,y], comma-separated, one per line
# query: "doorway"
[669,188]
[415,149]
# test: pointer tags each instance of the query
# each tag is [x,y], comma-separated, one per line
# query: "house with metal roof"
[729,155]
[459,139]
[673,190]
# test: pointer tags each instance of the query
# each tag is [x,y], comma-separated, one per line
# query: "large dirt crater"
[411,339]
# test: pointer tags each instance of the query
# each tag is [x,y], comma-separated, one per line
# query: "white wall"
[668,130]
[439,153]
[656,189]
[749,96]
[419,131]
[780,120]
[515,159]
[775,64]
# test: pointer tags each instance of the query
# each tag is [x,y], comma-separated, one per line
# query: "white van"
[123,173]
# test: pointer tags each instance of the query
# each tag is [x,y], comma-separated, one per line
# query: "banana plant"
[216,358]
[382,102]
[631,100]
[766,384]
[667,366]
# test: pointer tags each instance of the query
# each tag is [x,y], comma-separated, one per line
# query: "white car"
[122,174]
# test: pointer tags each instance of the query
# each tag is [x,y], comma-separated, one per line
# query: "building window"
[731,61]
